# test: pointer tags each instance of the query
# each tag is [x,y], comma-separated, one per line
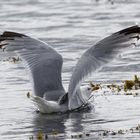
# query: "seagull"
[45,66]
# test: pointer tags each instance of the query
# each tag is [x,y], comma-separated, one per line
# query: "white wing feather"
[43,62]
[98,55]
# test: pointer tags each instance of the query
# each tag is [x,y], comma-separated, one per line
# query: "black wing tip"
[11,34]
[130,30]
[8,35]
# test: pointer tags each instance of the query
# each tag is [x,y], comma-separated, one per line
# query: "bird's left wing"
[98,55]
[42,60]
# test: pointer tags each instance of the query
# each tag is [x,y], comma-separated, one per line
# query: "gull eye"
[88,88]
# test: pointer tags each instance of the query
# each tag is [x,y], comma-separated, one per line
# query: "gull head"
[86,91]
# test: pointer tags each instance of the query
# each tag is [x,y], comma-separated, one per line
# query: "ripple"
[70,27]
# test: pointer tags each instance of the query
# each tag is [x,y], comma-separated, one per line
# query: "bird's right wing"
[42,60]
[95,57]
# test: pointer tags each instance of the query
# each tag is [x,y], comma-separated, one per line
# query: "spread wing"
[43,61]
[98,55]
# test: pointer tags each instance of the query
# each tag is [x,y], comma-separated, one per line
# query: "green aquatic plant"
[118,88]
[125,88]
[95,86]
[112,86]
[40,135]
[12,59]
[136,79]
[128,85]
[82,135]
[137,82]
[132,84]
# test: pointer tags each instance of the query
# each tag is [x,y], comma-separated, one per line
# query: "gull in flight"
[45,64]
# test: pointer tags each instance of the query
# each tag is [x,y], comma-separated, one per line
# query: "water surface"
[70,26]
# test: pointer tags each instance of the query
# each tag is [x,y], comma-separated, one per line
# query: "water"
[70,26]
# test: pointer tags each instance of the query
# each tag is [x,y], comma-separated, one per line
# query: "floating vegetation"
[11,59]
[106,133]
[81,135]
[118,89]
[44,136]
[129,87]
[131,130]
[95,86]
[40,135]
[132,84]
[128,84]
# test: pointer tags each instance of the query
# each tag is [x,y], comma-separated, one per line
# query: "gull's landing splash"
[45,65]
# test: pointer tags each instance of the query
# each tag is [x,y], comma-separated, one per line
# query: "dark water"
[70,26]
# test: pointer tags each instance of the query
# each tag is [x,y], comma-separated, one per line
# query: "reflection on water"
[66,124]
[60,121]
[48,123]
[70,26]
